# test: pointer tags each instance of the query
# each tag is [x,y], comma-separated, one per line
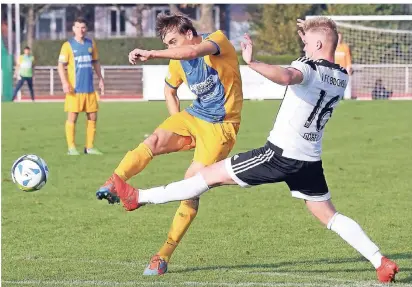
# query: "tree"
[359,9]
[274,27]
[136,19]
[206,23]
[30,12]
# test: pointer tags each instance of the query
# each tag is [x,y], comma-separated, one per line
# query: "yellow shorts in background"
[86,102]
[213,141]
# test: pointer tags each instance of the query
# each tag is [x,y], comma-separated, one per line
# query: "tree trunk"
[173,9]
[206,20]
[139,18]
[30,25]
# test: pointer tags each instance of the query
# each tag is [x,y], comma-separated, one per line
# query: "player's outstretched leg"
[210,176]
[350,231]
[160,142]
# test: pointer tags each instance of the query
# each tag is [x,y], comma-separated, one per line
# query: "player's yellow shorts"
[213,141]
[86,102]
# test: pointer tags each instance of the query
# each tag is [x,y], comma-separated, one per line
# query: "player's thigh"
[256,167]
[74,103]
[174,134]
[214,142]
[309,182]
[91,104]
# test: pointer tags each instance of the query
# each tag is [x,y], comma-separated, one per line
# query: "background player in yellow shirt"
[80,56]
[208,64]
[343,58]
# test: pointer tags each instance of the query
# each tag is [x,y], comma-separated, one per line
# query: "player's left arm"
[97,67]
[277,74]
[17,68]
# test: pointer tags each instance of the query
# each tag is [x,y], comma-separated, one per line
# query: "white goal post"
[381,49]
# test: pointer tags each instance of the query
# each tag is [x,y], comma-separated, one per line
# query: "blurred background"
[379,36]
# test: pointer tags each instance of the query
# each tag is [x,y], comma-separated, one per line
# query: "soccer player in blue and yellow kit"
[80,56]
[208,64]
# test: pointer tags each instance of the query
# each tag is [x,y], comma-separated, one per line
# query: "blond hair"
[323,25]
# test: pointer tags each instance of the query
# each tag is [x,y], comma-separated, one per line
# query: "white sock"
[176,191]
[352,233]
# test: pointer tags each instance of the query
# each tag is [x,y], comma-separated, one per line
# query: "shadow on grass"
[280,266]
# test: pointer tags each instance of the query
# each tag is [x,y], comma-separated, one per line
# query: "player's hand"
[247,49]
[66,88]
[101,86]
[301,31]
[301,24]
[139,55]
[350,70]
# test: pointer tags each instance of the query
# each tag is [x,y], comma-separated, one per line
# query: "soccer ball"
[29,172]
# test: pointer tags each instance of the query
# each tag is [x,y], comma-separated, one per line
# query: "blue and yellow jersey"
[79,58]
[214,79]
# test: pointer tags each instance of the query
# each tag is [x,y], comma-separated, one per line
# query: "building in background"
[108,21]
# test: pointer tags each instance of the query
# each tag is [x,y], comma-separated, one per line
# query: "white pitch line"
[337,281]
[92,261]
[299,275]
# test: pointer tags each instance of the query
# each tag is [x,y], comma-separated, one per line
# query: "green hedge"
[115,51]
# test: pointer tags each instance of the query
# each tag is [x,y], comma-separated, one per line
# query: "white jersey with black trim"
[307,107]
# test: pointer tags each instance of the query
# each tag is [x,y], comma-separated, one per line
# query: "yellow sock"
[90,133]
[70,129]
[134,162]
[184,216]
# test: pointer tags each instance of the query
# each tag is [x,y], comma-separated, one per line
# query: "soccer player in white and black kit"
[292,154]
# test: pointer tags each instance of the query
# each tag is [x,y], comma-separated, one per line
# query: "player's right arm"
[277,74]
[172,83]
[64,58]
[172,101]
[17,68]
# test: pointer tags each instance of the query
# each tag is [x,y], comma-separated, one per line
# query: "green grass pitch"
[62,236]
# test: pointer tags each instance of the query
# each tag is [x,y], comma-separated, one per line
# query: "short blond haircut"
[324,25]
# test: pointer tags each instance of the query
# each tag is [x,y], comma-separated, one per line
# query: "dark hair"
[26,48]
[169,22]
[80,20]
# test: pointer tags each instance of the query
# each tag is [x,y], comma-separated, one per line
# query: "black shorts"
[267,165]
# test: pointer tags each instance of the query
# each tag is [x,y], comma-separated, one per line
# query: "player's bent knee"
[92,116]
[216,174]
[152,143]
[194,168]
[72,117]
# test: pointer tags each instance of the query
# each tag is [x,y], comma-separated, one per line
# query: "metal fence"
[127,81]
[120,81]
